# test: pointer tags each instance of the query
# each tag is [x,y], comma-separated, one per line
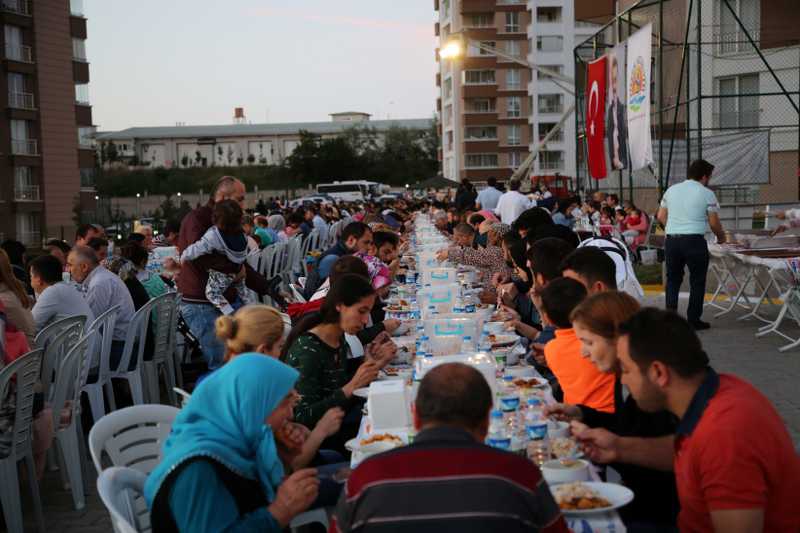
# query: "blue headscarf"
[225,420]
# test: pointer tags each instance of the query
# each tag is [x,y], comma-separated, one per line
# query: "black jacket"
[656,498]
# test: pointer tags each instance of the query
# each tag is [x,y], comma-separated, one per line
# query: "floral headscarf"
[379,273]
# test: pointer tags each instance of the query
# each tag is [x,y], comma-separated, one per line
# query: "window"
[481,161]
[28,229]
[475,51]
[15,50]
[549,43]
[728,35]
[24,186]
[544,129]
[558,69]
[17,97]
[479,77]
[551,103]
[448,88]
[82,93]
[87,178]
[480,133]
[86,137]
[513,107]
[551,160]
[738,107]
[514,159]
[512,21]
[513,135]
[513,79]
[548,14]
[79,49]
[445,8]
[480,105]
[513,49]
[19,130]
[447,117]
[480,20]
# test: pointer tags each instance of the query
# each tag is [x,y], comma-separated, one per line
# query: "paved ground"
[731,345]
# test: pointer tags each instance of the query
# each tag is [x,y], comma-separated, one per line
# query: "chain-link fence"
[725,87]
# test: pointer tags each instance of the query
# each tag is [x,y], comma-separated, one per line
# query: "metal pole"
[699,84]
[758,51]
[660,99]
[688,121]
[680,86]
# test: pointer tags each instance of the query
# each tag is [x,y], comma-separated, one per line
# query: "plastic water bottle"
[509,396]
[484,345]
[535,421]
[498,432]
[466,344]
[424,349]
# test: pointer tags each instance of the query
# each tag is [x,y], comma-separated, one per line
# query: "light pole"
[457,46]
[138,205]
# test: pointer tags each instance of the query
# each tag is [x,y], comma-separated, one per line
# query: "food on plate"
[578,497]
[382,437]
[563,447]
[391,371]
[529,383]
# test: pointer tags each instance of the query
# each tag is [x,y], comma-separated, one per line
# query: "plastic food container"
[439,276]
[565,471]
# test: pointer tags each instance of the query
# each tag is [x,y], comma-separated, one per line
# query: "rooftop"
[246,130]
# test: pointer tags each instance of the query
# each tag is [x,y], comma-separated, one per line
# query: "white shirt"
[511,205]
[488,198]
[688,204]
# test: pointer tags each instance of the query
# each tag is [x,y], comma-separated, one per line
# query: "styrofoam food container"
[558,471]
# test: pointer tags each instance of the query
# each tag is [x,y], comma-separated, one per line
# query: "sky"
[160,62]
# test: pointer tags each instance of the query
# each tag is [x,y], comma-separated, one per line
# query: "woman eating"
[596,322]
[318,350]
[221,470]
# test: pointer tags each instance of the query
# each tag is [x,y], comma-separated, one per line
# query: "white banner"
[638,98]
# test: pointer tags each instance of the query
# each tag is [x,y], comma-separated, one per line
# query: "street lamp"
[138,205]
[456,47]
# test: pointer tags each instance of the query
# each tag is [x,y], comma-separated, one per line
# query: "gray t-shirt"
[59,301]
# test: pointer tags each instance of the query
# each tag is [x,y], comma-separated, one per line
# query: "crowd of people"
[263,436]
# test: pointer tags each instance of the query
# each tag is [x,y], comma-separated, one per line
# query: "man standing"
[104,290]
[197,311]
[686,209]
[735,465]
[448,480]
[488,197]
[512,203]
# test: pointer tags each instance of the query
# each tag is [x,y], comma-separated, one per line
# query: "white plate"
[371,449]
[503,340]
[618,495]
[363,392]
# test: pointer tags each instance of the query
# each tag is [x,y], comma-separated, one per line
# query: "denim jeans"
[681,251]
[200,318]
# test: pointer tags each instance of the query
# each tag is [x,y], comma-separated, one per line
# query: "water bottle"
[535,421]
[509,396]
[484,345]
[498,432]
[424,349]
[466,344]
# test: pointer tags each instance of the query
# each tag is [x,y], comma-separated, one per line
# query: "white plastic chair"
[122,492]
[49,332]
[70,378]
[164,327]
[132,437]
[26,369]
[135,340]
[101,354]
[54,352]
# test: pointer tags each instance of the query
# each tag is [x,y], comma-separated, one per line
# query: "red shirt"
[732,451]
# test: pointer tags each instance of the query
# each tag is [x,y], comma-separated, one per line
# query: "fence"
[725,87]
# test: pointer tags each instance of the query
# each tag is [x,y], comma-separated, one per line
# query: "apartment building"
[483,104]
[234,144]
[45,133]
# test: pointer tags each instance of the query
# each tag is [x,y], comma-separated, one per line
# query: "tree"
[251,159]
[198,157]
[167,208]
[230,156]
[185,160]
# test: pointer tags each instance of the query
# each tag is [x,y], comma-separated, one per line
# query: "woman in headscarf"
[277,224]
[221,470]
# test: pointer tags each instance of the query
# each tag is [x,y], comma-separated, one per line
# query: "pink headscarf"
[379,273]
[488,215]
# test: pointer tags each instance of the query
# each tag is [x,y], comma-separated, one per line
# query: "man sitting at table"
[735,464]
[448,480]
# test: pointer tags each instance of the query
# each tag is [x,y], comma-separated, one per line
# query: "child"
[580,380]
[225,237]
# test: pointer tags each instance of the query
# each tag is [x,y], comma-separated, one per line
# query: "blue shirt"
[688,204]
[488,198]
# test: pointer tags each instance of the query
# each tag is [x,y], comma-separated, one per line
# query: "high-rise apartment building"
[46,153]
[484,105]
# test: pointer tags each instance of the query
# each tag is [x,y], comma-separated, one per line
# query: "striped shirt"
[446,481]
[490,259]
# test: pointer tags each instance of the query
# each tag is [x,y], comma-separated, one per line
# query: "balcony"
[736,119]
[30,238]
[26,193]
[551,109]
[24,147]
[735,42]
[20,7]
[19,53]
[21,100]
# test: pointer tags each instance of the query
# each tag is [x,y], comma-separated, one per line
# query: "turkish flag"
[596,117]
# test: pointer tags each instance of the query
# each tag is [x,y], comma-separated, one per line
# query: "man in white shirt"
[512,204]
[104,290]
[488,197]
[55,299]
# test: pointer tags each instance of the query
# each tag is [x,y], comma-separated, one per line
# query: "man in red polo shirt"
[735,465]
